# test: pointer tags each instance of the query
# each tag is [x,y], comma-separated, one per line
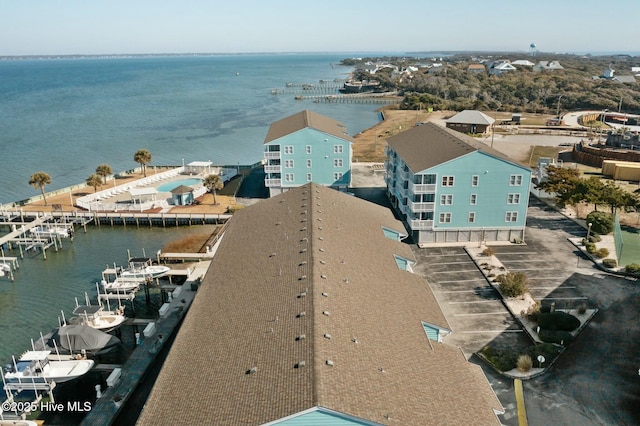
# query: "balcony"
[421,207]
[422,188]
[272,182]
[419,225]
[272,155]
[273,169]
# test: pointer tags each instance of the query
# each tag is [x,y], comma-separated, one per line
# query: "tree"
[39,180]
[104,170]
[94,180]
[561,181]
[213,184]
[142,157]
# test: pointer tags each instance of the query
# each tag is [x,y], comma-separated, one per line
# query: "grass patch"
[189,244]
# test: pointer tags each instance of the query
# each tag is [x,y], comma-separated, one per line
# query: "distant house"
[470,121]
[523,63]
[548,66]
[501,67]
[624,79]
[307,147]
[476,68]
[450,188]
[608,72]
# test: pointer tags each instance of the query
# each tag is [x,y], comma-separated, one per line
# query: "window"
[288,177]
[472,217]
[308,164]
[337,162]
[513,199]
[288,149]
[447,180]
[515,180]
[423,198]
[511,217]
[308,149]
[288,164]
[337,149]
[424,179]
[337,176]
[473,200]
[446,200]
[425,216]
[474,180]
[445,218]
[308,177]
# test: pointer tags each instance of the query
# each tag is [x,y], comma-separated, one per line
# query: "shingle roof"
[308,276]
[182,189]
[469,116]
[429,145]
[303,120]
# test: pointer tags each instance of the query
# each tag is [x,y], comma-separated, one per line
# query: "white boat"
[39,367]
[122,285]
[96,317]
[4,268]
[143,267]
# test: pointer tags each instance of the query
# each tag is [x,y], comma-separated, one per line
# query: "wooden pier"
[105,409]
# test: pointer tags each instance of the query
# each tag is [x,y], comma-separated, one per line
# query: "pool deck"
[63,201]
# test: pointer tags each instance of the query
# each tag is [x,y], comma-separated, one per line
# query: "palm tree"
[213,184]
[94,180]
[39,180]
[142,157]
[104,170]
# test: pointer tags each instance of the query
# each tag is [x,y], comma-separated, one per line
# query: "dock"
[114,398]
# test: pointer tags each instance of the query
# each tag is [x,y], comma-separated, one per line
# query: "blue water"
[67,116]
[169,186]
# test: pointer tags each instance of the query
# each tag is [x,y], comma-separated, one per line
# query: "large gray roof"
[469,116]
[429,145]
[301,279]
[303,120]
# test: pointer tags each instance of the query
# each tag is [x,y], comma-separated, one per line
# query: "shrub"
[488,252]
[591,248]
[234,208]
[547,350]
[545,309]
[632,268]
[555,336]
[601,253]
[502,360]
[524,363]
[558,320]
[582,308]
[533,312]
[513,284]
[609,263]
[595,238]
[601,222]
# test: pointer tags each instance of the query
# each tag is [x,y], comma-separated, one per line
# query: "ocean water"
[67,116]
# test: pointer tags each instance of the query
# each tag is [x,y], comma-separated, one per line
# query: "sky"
[60,27]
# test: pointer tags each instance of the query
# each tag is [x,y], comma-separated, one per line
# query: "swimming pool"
[169,186]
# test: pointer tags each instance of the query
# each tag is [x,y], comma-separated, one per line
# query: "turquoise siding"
[492,192]
[323,418]
[325,162]
[432,332]
[403,264]
[391,234]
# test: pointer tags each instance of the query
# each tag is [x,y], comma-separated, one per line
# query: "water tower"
[532,49]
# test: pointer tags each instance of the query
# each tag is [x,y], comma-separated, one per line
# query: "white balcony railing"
[417,224]
[422,188]
[272,155]
[272,182]
[421,207]
[273,169]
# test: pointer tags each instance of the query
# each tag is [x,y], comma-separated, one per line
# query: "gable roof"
[429,145]
[625,79]
[182,189]
[299,280]
[469,116]
[306,119]
[549,65]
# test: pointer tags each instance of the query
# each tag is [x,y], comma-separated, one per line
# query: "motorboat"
[77,339]
[4,269]
[122,285]
[96,317]
[39,366]
[143,267]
